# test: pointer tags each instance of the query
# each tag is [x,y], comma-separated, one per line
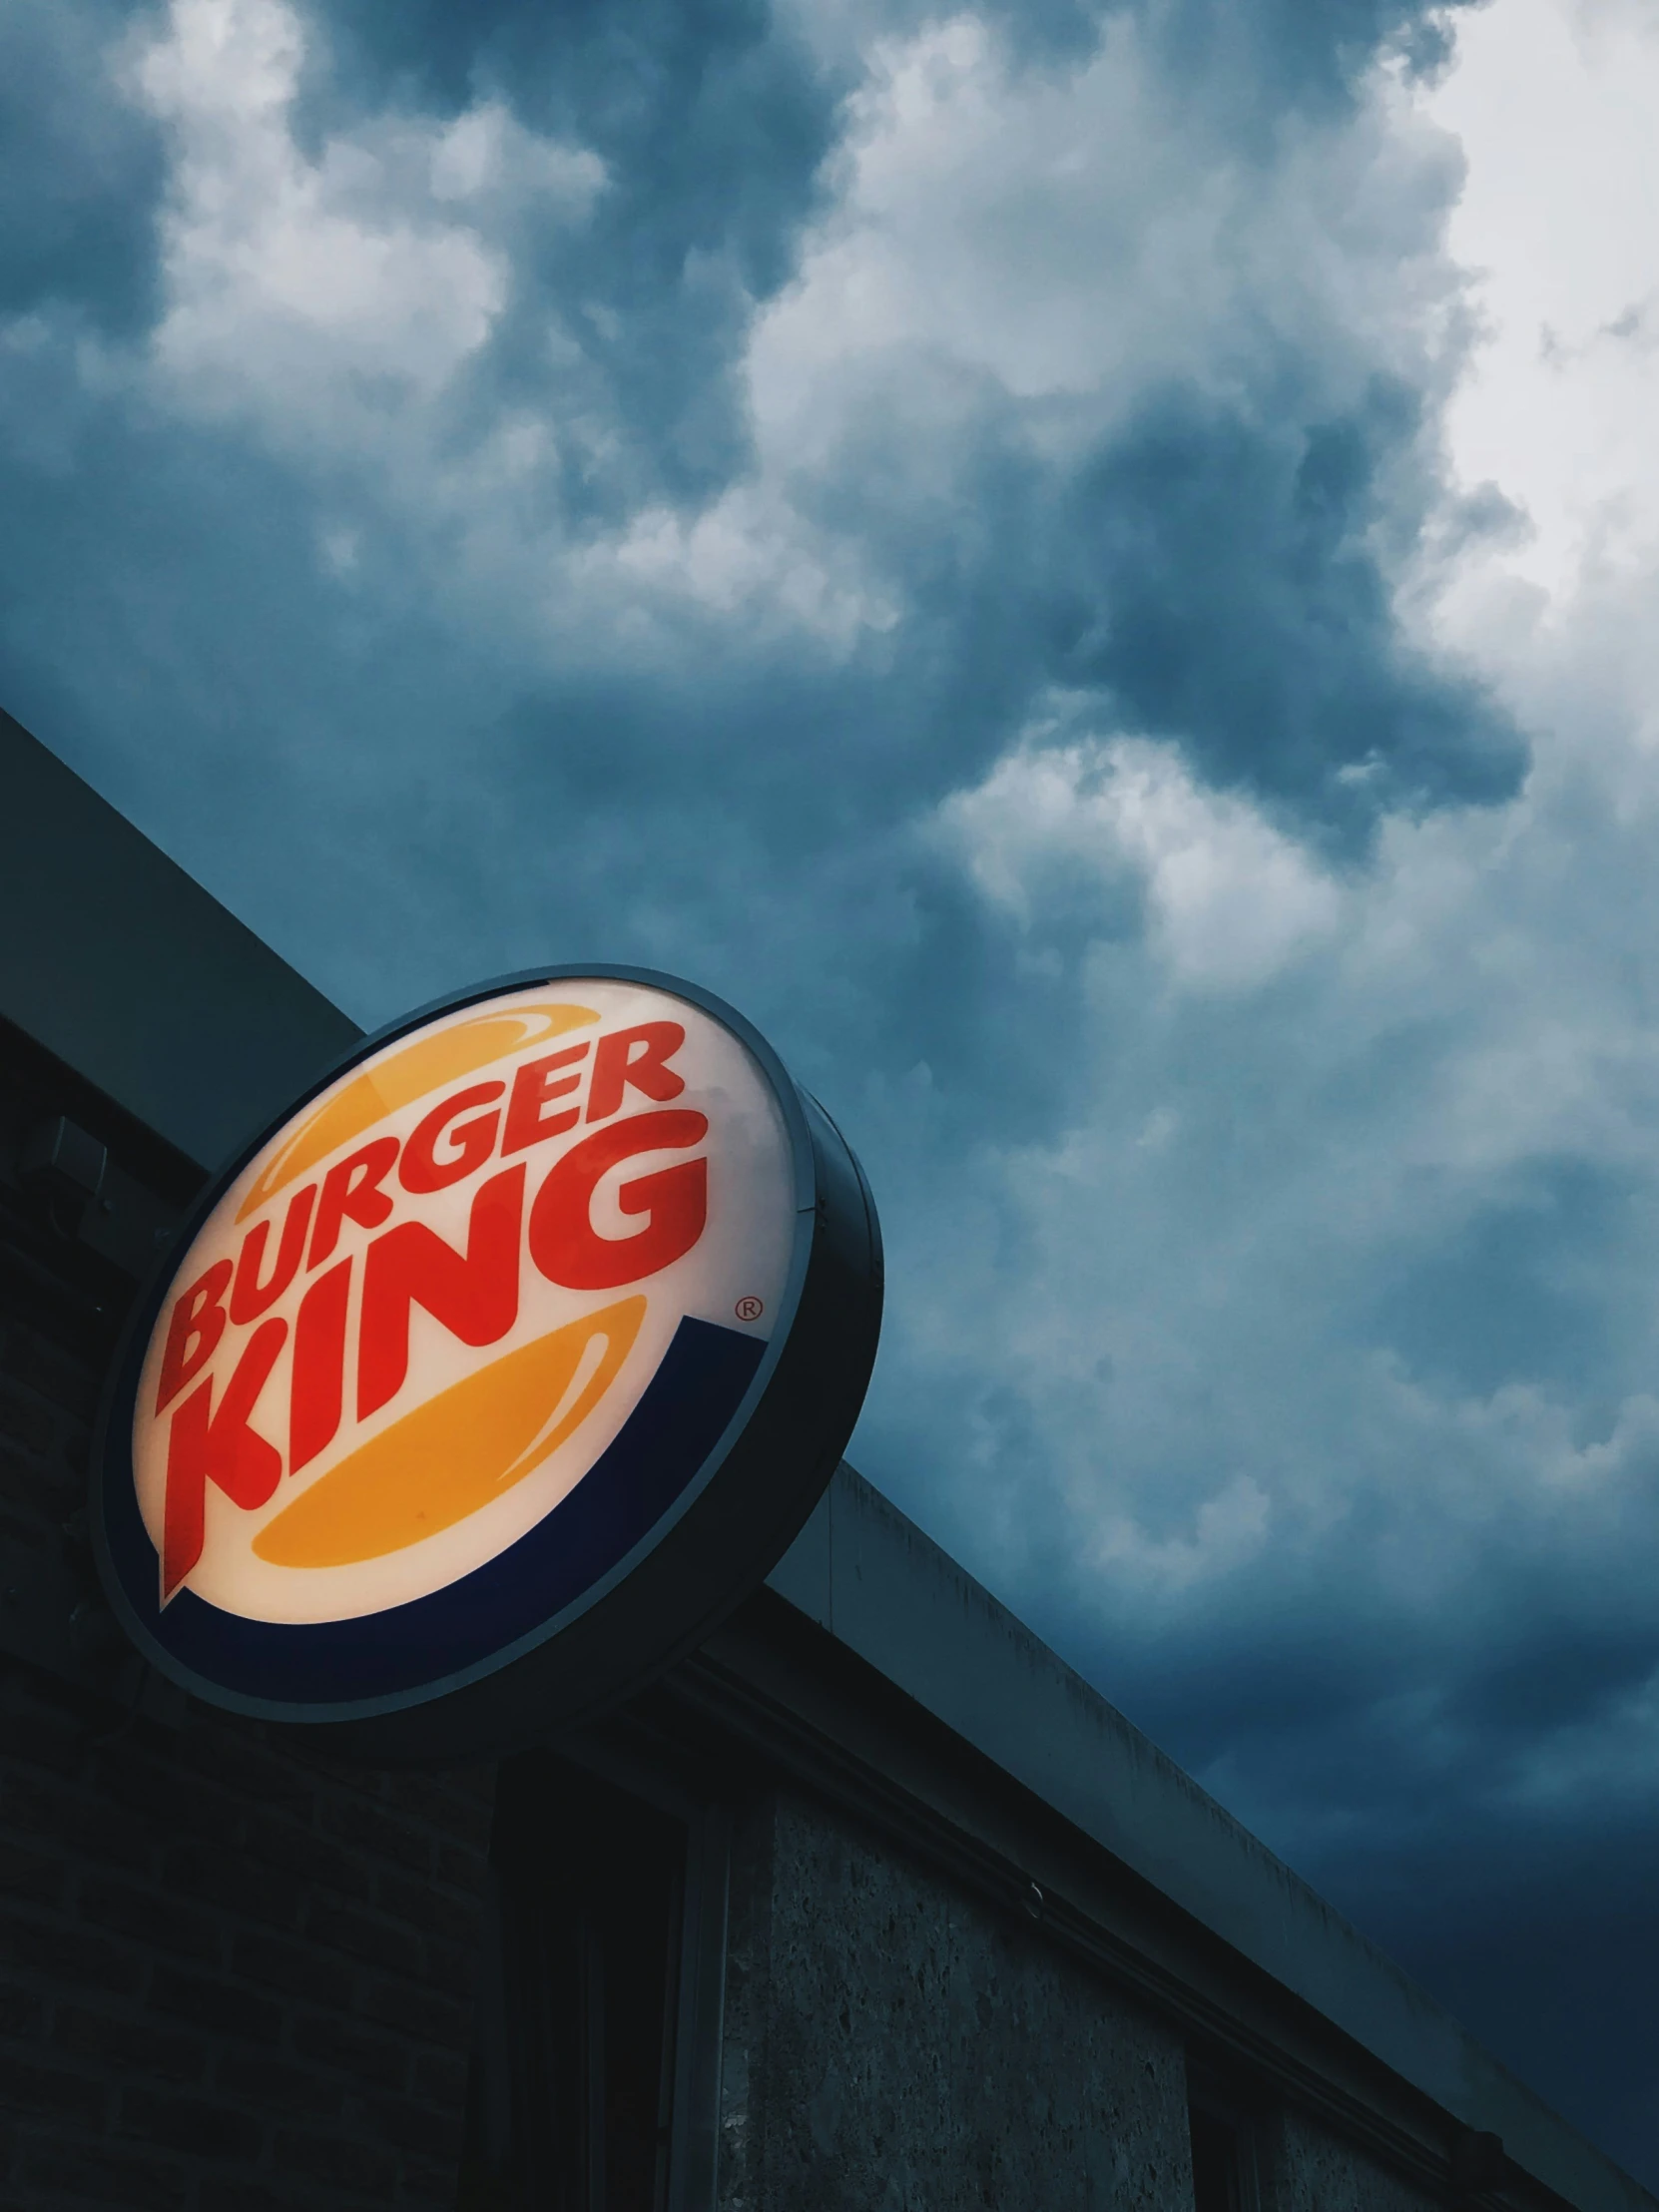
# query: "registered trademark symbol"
[750,1308]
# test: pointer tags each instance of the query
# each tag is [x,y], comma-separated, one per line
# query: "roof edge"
[192,1023]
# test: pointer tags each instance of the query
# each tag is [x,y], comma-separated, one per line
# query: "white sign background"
[743,1254]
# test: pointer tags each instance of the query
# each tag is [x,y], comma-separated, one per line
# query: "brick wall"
[231,1981]
[232,1978]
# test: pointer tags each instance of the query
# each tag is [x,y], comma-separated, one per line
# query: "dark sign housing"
[866,1901]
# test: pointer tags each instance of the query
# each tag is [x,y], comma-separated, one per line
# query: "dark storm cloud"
[1228,597]
[1529,1913]
[1547,1946]
[775,805]
[1527,1907]
[711,121]
[1520,1291]
[1473,1790]
[1205,577]
[1258,60]
[81,170]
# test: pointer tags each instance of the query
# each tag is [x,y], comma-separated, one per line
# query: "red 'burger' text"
[471,1290]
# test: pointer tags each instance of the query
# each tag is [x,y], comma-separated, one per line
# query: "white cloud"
[1554,102]
[329,295]
[748,556]
[1230,1529]
[1052,243]
[1230,899]
[1066,237]
[1045,250]
[286,275]
[335,300]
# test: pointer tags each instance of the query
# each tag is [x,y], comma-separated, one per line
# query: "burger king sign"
[481,1384]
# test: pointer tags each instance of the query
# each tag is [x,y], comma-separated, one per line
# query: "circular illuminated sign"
[486,1381]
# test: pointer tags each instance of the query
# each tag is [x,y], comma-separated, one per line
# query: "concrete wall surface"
[894,2047]
[1303,2168]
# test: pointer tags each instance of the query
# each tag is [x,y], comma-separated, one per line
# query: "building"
[868,1903]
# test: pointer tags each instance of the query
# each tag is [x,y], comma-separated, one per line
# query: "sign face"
[540,1323]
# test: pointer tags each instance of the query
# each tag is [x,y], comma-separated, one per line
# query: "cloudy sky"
[1093,569]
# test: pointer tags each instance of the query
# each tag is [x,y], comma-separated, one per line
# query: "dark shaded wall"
[232,1982]
[1304,2168]
[232,1979]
